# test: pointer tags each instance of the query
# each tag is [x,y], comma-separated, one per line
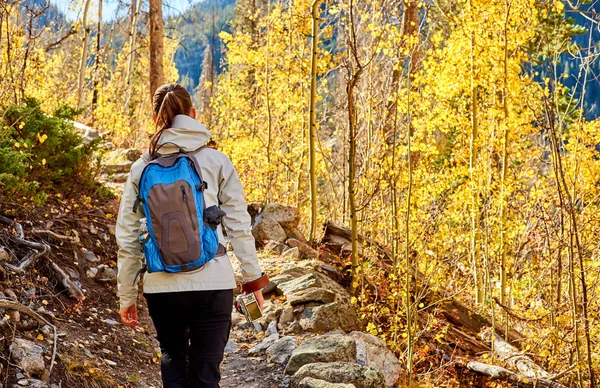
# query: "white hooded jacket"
[224,189]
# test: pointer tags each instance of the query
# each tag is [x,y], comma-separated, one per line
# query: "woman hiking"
[189,282]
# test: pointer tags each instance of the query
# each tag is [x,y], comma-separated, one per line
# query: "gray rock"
[120,177]
[90,257]
[231,347]
[340,373]
[108,275]
[264,345]
[309,382]
[328,348]
[287,216]
[109,362]
[111,322]
[275,247]
[73,273]
[269,288]
[266,229]
[321,319]
[295,327]
[372,351]
[131,154]
[281,350]
[291,253]
[91,272]
[4,255]
[121,167]
[47,331]
[306,252]
[316,294]
[287,316]
[257,327]
[23,382]
[271,329]
[299,284]
[33,383]
[28,356]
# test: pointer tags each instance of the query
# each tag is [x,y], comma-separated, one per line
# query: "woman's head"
[169,101]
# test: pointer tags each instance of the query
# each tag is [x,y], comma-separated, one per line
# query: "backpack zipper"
[185,199]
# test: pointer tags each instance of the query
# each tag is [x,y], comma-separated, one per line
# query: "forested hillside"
[437,162]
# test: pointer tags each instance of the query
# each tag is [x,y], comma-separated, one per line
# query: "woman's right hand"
[129,316]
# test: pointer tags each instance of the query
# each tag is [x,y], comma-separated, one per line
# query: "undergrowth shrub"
[42,153]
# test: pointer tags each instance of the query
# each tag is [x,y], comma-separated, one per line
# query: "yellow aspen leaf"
[17,144]
[43,162]
[42,138]
[353,300]
[40,337]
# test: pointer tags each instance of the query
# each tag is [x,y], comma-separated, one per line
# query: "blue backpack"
[182,232]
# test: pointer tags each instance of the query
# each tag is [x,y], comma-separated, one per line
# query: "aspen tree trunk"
[84,53]
[97,65]
[503,198]
[477,271]
[410,30]
[355,70]
[409,264]
[313,120]
[156,46]
[136,6]
[268,105]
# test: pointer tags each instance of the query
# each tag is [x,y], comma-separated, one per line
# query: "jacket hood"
[186,132]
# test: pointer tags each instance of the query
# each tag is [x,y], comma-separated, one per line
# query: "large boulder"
[328,304]
[266,229]
[373,352]
[287,216]
[309,382]
[28,356]
[340,372]
[326,348]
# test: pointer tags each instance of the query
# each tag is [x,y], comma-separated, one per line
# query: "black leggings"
[193,329]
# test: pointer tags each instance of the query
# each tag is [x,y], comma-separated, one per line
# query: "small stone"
[109,362]
[257,327]
[271,329]
[108,275]
[23,382]
[231,347]
[73,274]
[89,256]
[110,322]
[106,351]
[4,255]
[286,317]
[20,376]
[264,345]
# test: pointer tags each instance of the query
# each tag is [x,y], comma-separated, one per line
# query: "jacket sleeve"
[237,221]
[129,259]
